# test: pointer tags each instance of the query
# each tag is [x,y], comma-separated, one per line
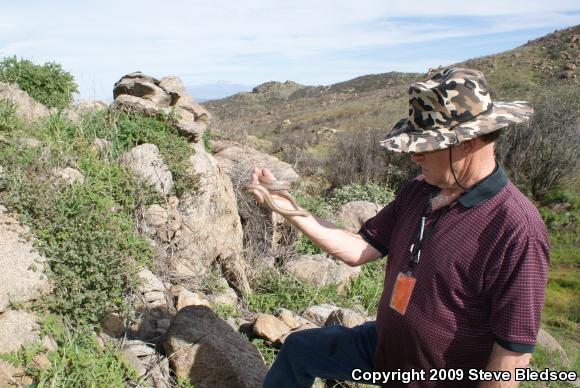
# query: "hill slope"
[379,100]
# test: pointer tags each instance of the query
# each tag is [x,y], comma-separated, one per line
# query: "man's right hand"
[280,201]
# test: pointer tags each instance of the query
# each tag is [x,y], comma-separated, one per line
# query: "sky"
[219,46]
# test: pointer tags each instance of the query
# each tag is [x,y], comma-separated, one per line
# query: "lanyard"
[424,235]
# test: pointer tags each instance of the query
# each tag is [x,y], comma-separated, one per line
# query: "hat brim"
[404,137]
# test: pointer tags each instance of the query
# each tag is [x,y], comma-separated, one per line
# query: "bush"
[48,84]
[7,115]
[370,192]
[542,155]
[359,158]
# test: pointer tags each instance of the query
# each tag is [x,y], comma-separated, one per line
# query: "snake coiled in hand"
[279,187]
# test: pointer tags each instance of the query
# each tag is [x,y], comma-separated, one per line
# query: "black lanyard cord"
[424,234]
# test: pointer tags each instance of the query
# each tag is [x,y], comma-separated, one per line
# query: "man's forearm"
[345,246]
[504,360]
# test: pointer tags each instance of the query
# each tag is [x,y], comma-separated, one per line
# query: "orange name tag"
[402,292]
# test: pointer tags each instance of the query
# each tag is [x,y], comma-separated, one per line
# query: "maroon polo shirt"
[481,277]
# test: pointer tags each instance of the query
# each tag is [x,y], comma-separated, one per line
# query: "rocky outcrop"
[26,108]
[320,270]
[354,214]
[22,278]
[147,165]
[264,230]
[203,348]
[211,230]
[142,94]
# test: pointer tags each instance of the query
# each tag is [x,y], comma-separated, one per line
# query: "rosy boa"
[279,187]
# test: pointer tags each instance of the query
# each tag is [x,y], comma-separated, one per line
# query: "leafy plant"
[371,192]
[48,84]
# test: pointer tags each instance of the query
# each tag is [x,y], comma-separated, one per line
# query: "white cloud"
[206,40]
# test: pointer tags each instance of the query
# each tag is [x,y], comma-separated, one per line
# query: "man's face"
[435,167]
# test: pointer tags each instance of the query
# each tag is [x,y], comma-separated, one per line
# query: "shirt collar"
[484,189]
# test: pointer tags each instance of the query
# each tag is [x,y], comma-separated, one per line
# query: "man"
[467,255]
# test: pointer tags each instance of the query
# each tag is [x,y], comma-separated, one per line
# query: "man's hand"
[279,200]
[502,359]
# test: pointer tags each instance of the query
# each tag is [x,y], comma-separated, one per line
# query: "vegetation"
[89,231]
[48,84]
[78,361]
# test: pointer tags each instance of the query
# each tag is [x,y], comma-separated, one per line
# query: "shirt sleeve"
[377,230]
[517,294]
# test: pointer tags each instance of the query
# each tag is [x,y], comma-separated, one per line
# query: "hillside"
[378,100]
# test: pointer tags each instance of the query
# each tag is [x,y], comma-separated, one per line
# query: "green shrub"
[48,84]
[78,361]
[86,231]
[207,141]
[370,192]
[542,155]
[7,115]
[131,130]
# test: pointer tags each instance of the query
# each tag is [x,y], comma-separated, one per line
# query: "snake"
[279,187]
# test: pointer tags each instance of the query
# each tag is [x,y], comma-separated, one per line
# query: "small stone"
[319,314]
[188,298]
[149,282]
[269,327]
[153,296]
[164,323]
[288,317]
[113,325]
[344,317]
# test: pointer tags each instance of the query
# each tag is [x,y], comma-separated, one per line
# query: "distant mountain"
[206,92]
[379,100]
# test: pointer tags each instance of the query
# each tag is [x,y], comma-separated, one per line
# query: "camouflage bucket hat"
[448,108]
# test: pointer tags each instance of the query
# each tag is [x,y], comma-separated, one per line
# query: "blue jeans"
[330,353]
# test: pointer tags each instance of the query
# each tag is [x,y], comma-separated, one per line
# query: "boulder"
[17,328]
[181,99]
[26,108]
[320,270]
[147,165]
[131,104]
[141,85]
[22,278]
[319,314]
[187,126]
[163,223]
[550,345]
[269,327]
[147,96]
[344,317]
[264,230]
[354,214]
[203,348]
[211,229]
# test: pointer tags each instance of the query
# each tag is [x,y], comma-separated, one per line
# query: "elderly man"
[467,256]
